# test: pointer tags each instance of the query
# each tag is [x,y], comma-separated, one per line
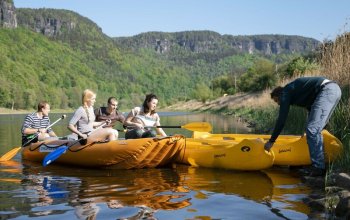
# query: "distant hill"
[212,42]
[56,54]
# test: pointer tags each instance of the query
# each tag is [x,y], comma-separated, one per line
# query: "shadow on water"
[31,190]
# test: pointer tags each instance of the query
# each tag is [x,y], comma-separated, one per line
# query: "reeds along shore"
[335,63]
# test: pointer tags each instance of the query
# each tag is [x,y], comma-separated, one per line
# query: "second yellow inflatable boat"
[288,149]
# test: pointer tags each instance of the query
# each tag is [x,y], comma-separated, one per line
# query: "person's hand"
[108,121]
[42,130]
[84,136]
[268,146]
[139,125]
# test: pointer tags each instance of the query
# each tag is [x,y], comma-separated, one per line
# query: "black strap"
[326,83]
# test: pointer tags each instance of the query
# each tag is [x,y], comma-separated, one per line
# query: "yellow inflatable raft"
[118,154]
[288,149]
[246,154]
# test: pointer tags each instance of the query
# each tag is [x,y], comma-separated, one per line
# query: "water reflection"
[255,186]
[87,189]
[31,190]
[279,189]
[288,192]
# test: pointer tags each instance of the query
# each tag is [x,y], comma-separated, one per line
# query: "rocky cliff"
[70,26]
[54,23]
[208,41]
[7,14]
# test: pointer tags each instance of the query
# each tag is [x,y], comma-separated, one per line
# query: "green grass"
[340,127]
[264,119]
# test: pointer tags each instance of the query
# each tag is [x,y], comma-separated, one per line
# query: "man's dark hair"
[276,92]
[111,99]
[42,105]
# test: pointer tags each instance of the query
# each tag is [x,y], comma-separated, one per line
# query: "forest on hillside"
[54,55]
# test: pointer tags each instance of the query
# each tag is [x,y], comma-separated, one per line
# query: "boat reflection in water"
[182,191]
[279,189]
[287,191]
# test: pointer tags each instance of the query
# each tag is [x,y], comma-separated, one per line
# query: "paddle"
[54,155]
[193,126]
[9,155]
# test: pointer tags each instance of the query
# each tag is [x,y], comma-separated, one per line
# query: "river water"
[29,190]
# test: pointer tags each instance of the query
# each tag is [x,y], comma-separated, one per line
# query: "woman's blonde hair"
[87,95]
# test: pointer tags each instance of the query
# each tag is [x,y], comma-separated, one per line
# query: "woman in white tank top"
[141,118]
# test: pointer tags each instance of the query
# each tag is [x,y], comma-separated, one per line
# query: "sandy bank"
[240,100]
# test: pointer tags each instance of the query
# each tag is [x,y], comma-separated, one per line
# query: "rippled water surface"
[29,190]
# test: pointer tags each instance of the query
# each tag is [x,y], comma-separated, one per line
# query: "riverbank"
[226,103]
[7,111]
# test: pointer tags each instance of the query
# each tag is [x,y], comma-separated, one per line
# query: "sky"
[318,19]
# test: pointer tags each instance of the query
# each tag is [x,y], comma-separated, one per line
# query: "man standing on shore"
[320,97]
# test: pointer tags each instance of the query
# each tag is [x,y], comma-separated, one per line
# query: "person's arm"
[73,129]
[282,117]
[121,117]
[128,121]
[74,120]
[160,131]
[48,130]
[28,124]
[28,131]
[27,127]
[52,134]
[99,123]
[97,113]
[101,119]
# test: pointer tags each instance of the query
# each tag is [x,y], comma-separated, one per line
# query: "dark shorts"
[139,133]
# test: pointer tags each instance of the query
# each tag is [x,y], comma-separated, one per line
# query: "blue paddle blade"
[54,155]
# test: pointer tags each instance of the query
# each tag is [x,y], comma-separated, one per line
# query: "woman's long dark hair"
[149,97]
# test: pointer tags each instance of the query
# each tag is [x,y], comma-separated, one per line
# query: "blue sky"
[319,19]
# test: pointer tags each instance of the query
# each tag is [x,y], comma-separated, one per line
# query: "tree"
[259,77]
[300,66]
[202,92]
